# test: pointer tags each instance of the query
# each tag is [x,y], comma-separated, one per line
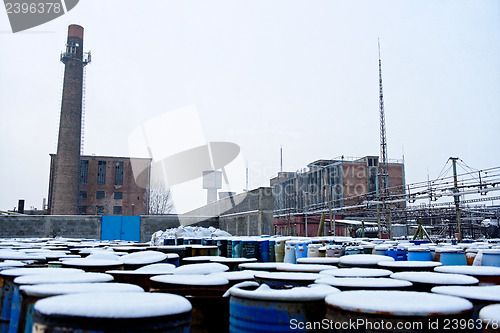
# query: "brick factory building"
[106,185]
[345,186]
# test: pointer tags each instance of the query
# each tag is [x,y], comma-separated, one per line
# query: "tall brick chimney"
[64,199]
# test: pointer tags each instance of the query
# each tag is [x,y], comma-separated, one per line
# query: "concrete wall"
[24,226]
[245,214]
[249,213]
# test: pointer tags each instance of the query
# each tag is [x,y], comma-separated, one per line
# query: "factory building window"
[119,173]
[101,172]
[84,171]
[83,194]
[82,209]
[99,209]
[118,195]
[99,195]
[117,210]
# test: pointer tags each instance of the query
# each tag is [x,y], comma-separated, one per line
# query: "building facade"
[107,185]
[342,185]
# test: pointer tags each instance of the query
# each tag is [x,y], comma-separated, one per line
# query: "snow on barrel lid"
[287,276]
[206,268]
[63,278]
[42,270]
[114,305]
[363,259]
[261,265]
[484,293]
[156,268]
[357,272]
[191,280]
[143,257]
[311,268]
[232,260]
[436,278]
[91,262]
[364,282]
[11,263]
[313,292]
[491,313]
[236,275]
[318,260]
[46,290]
[470,270]
[398,303]
[415,264]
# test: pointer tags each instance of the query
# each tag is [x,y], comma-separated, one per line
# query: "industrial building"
[89,184]
[106,185]
[344,186]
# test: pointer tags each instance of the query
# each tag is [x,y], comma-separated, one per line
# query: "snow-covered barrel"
[357,272]
[93,265]
[112,312]
[318,260]
[205,292]
[451,256]
[10,291]
[413,266]
[142,258]
[486,275]
[285,280]
[19,305]
[362,260]
[419,253]
[394,311]
[425,281]
[33,293]
[491,257]
[232,263]
[141,276]
[365,283]
[264,309]
[480,296]
[490,318]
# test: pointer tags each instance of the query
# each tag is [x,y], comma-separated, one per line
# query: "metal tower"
[383,168]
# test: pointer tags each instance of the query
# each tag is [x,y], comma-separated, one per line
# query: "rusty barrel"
[486,275]
[205,292]
[93,265]
[112,312]
[425,281]
[362,260]
[393,311]
[262,309]
[490,318]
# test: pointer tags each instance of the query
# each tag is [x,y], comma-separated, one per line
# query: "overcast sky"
[261,74]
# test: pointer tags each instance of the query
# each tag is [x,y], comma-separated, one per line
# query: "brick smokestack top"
[75,31]
[65,189]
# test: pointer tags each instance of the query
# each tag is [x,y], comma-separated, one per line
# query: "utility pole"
[456,196]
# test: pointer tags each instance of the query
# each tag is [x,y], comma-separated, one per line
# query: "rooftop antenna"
[281,159]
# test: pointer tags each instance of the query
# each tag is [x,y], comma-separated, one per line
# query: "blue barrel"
[222,247]
[397,254]
[236,248]
[491,258]
[452,258]
[250,248]
[264,250]
[301,250]
[272,253]
[263,311]
[419,254]
[290,253]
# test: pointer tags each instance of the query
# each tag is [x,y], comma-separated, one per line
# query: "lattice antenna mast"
[383,168]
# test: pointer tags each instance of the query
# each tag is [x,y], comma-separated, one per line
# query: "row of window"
[102,195]
[101,172]
[117,210]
